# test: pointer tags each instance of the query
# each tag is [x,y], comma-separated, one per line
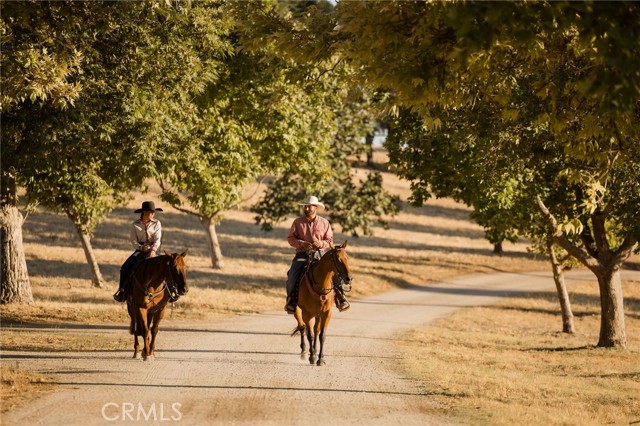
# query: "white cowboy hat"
[312,200]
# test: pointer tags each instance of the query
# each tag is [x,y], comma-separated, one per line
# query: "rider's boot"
[292,300]
[290,307]
[120,295]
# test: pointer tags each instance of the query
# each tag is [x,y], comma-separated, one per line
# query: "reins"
[334,254]
[312,284]
[165,286]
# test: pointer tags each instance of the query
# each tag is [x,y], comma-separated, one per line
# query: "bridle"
[169,283]
[343,274]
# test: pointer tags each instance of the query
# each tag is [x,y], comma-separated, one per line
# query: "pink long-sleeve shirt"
[302,230]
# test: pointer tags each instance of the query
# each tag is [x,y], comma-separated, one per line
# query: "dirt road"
[247,371]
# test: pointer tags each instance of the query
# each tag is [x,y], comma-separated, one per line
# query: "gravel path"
[247,370]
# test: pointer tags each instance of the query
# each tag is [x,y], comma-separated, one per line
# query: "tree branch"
[260,182]
[600,233]
[626,248]
[163,187]
[563,241]
[588,241]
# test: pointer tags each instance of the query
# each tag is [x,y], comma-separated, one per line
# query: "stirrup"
[344,305]
[290,309]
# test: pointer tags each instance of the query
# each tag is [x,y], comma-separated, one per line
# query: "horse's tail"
[298,329]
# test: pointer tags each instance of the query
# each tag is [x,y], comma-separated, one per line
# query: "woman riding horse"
[155,282]
[145,236]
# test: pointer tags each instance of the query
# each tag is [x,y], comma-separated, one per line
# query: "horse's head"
[341,263]
[179,271]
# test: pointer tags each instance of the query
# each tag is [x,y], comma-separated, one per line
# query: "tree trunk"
[16,287]
[596,254]
[96,276]
[369,150]
[561,288]
[612,329]
[497,248]
[214,246]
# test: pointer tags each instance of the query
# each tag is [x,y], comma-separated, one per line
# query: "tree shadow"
[633,376]
[474,234]
[433,210]
[576,313]
[378,242]
[560,349]
[251,388]
[632,266]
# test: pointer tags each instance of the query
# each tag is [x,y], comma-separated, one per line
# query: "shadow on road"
[248,388]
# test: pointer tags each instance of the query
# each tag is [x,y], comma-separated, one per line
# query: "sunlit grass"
[510,363]
[18,386]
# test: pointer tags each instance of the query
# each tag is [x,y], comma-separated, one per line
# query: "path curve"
[246,370]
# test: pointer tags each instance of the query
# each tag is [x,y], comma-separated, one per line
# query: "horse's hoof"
[312,360]
[137,355]
[321,362]
[150,358]
[303,356]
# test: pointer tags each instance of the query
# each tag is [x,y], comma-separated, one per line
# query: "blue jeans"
[295,272]
[128,265]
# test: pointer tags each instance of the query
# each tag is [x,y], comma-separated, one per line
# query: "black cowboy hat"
[148,206]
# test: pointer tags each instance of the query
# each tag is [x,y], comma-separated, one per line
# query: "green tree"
[33,73]
[354,206]
[353,203]
[82,137]
[559,82]
[251,121]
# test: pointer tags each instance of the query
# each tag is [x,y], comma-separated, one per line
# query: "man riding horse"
[308,234]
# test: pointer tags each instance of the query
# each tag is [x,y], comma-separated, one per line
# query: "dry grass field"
[509,363]
[422,245]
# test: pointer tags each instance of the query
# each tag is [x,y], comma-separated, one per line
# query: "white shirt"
[146,233]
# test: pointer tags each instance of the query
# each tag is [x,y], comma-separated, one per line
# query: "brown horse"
[154,283]
[315,299]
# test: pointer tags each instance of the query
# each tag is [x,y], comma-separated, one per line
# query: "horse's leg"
[150,318]
[144,331]
[133,329]
[316,334]
[324,320]
[309,331]
[154,330]
[301,328]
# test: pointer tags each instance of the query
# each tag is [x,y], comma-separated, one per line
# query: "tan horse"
[316,299]
[155,282]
